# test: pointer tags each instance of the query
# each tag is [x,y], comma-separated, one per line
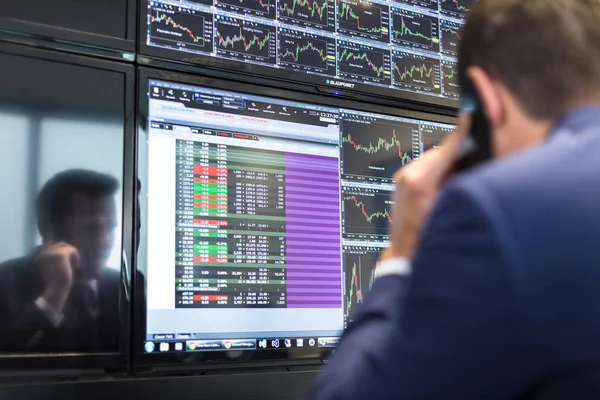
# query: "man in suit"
[62,297]
[491,287]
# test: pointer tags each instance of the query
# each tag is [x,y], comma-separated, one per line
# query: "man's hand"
[417,188]
[56,262]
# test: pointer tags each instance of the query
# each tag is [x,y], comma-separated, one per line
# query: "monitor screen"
[263,217]
[62,133]
[109,18]
[392,48]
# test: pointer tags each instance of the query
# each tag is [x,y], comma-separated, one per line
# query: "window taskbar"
[170,344]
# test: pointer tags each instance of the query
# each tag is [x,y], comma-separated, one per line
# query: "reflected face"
[91,229]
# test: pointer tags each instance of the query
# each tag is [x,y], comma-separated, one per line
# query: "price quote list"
[246,219]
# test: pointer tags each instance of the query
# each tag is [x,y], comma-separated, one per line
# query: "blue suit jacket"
[504,298]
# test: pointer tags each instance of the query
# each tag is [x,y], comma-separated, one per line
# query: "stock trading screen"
[240,223]
[261,8]
[450,36]
[306,51]
[245,40]
[274,205]
[374,148]
[450,75]
[367,212]
[416,71]
[239,212]
[415,29]
[312,14]
[343,43]
[432,135]
[188,28]
[457,8]
[361,263]
[360,61]
[364,19]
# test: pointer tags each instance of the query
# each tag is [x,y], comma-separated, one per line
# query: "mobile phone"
[478,147]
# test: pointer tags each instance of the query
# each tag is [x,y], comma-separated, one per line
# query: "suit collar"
[578,120]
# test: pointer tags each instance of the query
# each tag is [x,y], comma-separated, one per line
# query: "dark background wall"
[244,386]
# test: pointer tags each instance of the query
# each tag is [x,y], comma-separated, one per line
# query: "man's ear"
[488,94]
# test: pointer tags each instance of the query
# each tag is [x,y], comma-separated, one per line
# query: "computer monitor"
[107,25]
[64,131]
[404,48]
[262,216]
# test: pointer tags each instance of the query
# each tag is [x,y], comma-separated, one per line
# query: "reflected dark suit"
[24,327]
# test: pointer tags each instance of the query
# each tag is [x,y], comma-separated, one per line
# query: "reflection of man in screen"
[62,297]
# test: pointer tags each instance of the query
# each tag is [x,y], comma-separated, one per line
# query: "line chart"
[369,20]
[432,135]
[450,36]
[450,75]
[377,148]
[415,29]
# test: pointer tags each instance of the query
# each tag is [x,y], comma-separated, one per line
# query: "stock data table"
[256,228]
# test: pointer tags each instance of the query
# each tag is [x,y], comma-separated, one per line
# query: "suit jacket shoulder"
[20,282]
[544,206]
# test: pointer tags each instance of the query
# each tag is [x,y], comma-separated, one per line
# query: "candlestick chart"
[367,212]
[184,28]
[415,29]
[307,12]
[377,149]
[360,277]
[363,61]
[355,42]
[245,39]
[416,71]
[263,8]
[306,51]
[419,72]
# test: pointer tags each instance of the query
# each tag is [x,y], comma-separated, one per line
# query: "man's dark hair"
[546,52]
[53,203]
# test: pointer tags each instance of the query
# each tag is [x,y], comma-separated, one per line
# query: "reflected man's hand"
[57,263]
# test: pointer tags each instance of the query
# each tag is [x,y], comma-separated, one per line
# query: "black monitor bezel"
[145,363]
[66,35]
[28,365]
[277,77]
